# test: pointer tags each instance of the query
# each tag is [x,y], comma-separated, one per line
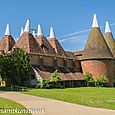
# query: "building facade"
[47,55]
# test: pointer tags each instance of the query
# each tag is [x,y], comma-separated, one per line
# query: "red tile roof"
[7,43]
[28,43]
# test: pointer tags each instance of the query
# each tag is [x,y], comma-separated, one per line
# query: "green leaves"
[89,79]
[55,77]
[101,81]
[15,67]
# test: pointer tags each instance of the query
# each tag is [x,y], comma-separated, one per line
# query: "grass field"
[93,97]
[8,105]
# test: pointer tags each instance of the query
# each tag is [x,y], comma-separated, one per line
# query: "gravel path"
[47,106]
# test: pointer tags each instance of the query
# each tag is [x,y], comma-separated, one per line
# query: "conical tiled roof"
[7,43]
[45,45]
[109,39]
[55,43]
[28,43]
[43,42]
[96,46]
[58,48]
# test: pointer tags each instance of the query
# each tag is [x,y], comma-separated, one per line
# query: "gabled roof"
[96,46]
[109,39]
[28,43]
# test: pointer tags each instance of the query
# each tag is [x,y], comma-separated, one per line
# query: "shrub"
[55,77]
[101,81]
[38,84]
[46,84]
[89,81]
[54,80]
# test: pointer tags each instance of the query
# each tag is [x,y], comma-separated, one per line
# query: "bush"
[101,81]
[89,81]
[54,82]
[45,84]
[38,84]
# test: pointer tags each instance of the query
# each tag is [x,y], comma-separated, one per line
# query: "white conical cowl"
[33,32]
[107,28]
[8,32]
[27,26]
[52,34]
[22,30]
[39,30]
[95,22]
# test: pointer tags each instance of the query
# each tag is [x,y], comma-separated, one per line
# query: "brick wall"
[100,67]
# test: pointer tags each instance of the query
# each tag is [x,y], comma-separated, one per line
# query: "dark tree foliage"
[15,67]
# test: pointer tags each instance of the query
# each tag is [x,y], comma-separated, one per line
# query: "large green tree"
[15,67]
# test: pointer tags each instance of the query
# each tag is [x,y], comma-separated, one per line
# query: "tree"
[2,72]
[15,67]
[102,81]
[89,79]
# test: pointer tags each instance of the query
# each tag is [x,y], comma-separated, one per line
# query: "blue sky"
[71,19]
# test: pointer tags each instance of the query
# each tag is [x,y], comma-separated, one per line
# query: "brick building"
[47,54]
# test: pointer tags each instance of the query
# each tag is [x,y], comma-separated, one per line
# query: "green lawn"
[94,97]
[8,104]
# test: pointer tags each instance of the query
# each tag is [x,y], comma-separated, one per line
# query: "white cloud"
[75,38]
[74,33]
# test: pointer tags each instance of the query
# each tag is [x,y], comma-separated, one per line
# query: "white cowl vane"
[95,22]
[7,32]
[22,30]
[107,28]
[27,26]
[52,34]
[40,33]
[33,32]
